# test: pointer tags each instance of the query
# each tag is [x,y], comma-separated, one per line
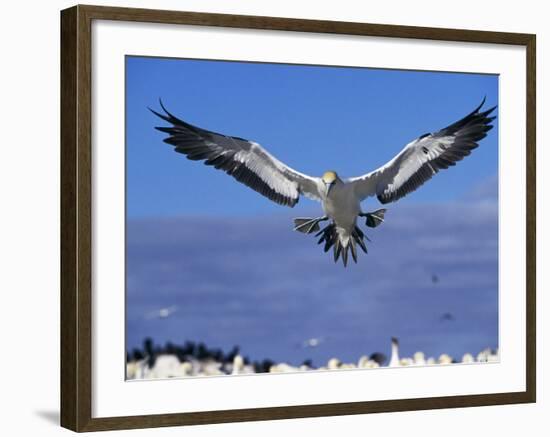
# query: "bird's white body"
[342,206]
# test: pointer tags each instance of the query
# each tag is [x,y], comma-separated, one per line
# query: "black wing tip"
[486,112]
[480,105]
[475,117]
[168,116]
[164,108]
[158,114]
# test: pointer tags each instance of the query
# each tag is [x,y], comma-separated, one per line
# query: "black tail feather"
[329,243]
[337,250]
[345,255]
[359,239]
[331,240]
[353,249]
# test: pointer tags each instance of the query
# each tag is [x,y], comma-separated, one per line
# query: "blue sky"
[351,120]
[227,258]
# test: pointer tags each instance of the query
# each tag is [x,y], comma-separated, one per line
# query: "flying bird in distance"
[252,165]
[162,313]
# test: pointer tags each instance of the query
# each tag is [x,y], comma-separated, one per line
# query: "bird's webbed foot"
[308,225]
[375,218]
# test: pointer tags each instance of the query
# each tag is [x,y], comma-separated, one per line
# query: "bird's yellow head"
[329,177]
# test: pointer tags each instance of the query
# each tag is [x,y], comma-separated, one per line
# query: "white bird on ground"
[487,355]
[251,164]
[283,368]
[166,366]
[419,359]
[366,363]
[238,365]
[394,359]
[136,369]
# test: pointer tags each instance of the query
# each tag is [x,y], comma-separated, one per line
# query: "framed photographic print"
[361,238]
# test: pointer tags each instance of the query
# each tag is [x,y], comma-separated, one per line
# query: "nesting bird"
[419,358]
[394,359]
[172,361]
[252,165]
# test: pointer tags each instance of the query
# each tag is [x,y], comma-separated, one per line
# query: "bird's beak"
[329,185]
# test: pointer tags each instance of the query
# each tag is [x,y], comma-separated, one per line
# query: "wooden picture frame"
[76,217]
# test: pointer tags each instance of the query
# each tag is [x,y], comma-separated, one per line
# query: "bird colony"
[195,360]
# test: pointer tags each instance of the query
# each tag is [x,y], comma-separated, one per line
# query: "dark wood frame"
[76,225]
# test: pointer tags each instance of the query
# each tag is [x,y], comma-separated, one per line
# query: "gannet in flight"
[251,164]
[162,313]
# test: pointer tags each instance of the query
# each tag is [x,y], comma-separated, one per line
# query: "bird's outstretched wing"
[246,161]
[424,157]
